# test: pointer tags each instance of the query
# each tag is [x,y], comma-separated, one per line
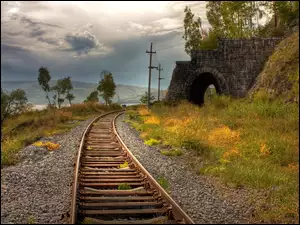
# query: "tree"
[107,88]
[58,89]
[192,31]
[144,98]
[70,97]
[93,97]
[67,84]
[44,78]
[13,103]
[63,86]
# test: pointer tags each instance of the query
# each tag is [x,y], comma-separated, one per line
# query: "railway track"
[112,187]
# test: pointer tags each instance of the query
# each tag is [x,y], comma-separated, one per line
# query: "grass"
[87,220]
[124,165]
[152,142]
[280,75]
[49,145]
[173,152]
[164,183]
[31,220]
[247,142]
[25,129]
[124,186]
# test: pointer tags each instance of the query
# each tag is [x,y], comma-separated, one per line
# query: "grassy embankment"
[25,129]
[251,142]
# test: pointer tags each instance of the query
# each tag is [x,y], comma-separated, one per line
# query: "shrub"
[152,142]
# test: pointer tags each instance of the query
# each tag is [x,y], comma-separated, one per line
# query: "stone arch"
[208,74]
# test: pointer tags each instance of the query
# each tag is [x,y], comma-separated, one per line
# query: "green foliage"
[192,31]
[144,98]
[70,97]
[210,42]
[124,165]
[62,86]
[31,220]
[88,220]
[12,103]
[68,86]
[25,128]
[246,142]
[239,19]
[164,183]
[107,88]
[93,97]
[124,186]
[43,79]
[234,19]
[280,75]
[152,142]
[284,12]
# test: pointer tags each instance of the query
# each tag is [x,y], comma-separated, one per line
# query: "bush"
[152,142]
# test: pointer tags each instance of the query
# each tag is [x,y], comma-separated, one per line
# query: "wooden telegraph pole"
[159,78]
[149,82]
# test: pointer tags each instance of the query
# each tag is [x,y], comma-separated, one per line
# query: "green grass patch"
[88,220]
[124,186]
[22,130]
[164,183]
[123,165]
[173,152]
[31,220]
[152,142]
[251,142]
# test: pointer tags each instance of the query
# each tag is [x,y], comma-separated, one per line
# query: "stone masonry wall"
[238,61]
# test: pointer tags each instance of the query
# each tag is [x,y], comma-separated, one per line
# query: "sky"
[80,39]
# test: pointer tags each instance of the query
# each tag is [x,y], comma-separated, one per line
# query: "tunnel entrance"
[200,86]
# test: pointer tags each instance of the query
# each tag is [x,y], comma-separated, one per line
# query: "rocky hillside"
[280,76]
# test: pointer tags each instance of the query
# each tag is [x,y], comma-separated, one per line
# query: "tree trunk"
[48,98]
[275,15]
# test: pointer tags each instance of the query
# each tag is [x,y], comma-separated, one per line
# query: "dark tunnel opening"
[199,87]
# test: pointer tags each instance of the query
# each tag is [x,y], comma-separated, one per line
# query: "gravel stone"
[204,199]
[40,185]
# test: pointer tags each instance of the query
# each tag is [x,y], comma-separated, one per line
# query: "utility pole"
[159,78]
[149,82]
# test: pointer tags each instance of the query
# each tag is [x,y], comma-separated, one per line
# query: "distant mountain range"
[124,93]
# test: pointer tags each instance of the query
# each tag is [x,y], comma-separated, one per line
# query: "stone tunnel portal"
[199,87]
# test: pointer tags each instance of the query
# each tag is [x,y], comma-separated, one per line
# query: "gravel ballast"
[203,200]
[38,189]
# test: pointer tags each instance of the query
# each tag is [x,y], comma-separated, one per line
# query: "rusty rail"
[97,193]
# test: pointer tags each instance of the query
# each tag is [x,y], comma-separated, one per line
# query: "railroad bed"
[104,168]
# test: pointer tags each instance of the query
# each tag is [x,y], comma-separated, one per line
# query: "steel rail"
[178,213]
[97,174]
[73,212]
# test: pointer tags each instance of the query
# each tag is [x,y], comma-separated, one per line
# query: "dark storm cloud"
[81,42]
[31,37]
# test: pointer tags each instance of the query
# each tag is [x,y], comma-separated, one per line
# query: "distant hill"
[124,93]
